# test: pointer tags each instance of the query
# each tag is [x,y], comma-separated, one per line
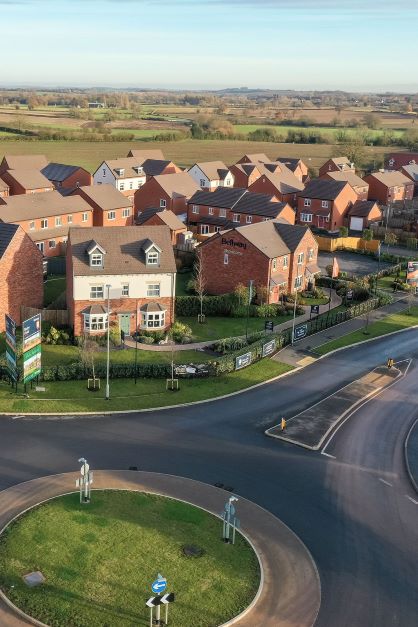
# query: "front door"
[124,323]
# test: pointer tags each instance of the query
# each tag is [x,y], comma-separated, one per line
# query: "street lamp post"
[108,344]
[136,340]
[250,295]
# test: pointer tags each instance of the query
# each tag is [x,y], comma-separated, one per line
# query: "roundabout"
[97,558]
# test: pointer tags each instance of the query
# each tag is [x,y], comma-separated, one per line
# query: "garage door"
[356,224]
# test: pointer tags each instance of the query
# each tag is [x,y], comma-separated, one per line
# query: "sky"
[353,45]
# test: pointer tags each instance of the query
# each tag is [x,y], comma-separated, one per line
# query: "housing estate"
[110,207]
[168,191]
[67,177]
[324,204]
[297,166]
[23,162]
[46,218]
[360,187]
[210,175]
[158,217]
[127,175]
[389,186]
[278,257]
[363,214]
[336,164]
[21,273]
[132,269]
[26,182]
[411,171]
[211,212]
[279,181]
[245,174]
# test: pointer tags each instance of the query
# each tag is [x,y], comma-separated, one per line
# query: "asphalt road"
[362,532]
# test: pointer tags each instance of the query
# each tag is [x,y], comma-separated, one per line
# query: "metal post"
[331,285]
[166,614]
[233,531]
[250,294]
[157,614]
[378,267]
[294,316]
[136,340]
[108,344]
[150,620]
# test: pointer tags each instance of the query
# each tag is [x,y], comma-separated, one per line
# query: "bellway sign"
[31,348]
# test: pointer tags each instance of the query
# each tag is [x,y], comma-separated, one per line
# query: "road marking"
[328,455]
[15,417]
[386,482]
[411,499]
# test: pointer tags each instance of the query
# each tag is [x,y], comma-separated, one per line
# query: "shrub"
[179,332]
[188,306]
[360,294]
[57,336]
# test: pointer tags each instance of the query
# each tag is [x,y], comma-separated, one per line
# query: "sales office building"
[133,265]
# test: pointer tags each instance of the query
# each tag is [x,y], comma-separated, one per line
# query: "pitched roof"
[390,178]
[42,205]
[59,171]
[105,195]
[3,186]
[323,189]
[247,168]
[168,217]
[340,161]
[126,164]
[143,155]
[179,184]
[124,247]
[412,171]
[285,181]
[290,162]
[29,179]
[349,176]
[25,162]
[362,208]
[256,157]
[259,204]
[273,238]
[213,170]
[7,233]
[154,167]
[223,197]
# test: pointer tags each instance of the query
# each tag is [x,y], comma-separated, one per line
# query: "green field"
[99,560]
[73,396]
[392,323]
[327,131]
[218,327]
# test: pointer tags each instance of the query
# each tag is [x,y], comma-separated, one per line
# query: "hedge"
[187,306]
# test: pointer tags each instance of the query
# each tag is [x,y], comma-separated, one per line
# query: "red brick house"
[389,186]
[258,157]
[26,182]
[46,218]
[67,177]
[281,183]
[360,187]
[156,167]
[162,217]
[395,160]
[21,273]
[362,214]
[211,212]
[324,204]
[336,164]
[23,162]
[143,155]
[278,257]
[297,166]
[168,191]
[138,264]
[110,207]
[245,174]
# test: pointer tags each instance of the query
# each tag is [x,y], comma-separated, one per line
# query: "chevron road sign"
[156,602]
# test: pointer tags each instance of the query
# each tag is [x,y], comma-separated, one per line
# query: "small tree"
[262,294]
[366,236]
[241,292]
[88,350]
[200,283]
[343,231]
[390,239]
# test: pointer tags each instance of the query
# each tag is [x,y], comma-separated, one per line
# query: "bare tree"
[88,350]
[200,282]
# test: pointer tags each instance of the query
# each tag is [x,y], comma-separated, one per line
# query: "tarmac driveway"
[350,262]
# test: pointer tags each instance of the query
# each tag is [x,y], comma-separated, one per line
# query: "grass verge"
[103,575]
[217,327]
[395,322]
[73,396]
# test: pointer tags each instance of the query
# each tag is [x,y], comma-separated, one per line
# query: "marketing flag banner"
[412,273]
[31,363]
[31,332]
[335,268]
[11,346]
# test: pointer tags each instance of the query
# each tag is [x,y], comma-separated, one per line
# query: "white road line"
[328,455]
[411,499]
[15,417]
[386,482]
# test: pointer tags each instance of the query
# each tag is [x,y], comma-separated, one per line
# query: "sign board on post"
[314,309]
[242,361]
[268,348]
[349,294]
[11,347]
[269,325]
[300,332]
[412,273]
[31,348]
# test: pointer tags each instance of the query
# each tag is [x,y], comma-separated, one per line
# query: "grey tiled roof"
[323,189]
[7,233]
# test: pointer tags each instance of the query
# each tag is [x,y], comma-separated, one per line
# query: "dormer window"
[138,169]
[153,258]
[96,255]
[96,260]
[120,171]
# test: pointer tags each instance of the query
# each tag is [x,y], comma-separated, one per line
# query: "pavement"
[290,595]
[302,353]
[356,511]
[312,426]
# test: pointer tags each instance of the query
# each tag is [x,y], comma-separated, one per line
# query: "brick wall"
[79,178]
[263,185]
[21,277]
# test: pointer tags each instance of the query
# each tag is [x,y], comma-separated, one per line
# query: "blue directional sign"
[159,585]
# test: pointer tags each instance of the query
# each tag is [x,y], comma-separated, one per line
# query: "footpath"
[302,353]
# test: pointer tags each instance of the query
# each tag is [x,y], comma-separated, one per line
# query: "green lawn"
[395,322]
[218,327]
[73,396]
[53,287]
[182,279]
[99,560]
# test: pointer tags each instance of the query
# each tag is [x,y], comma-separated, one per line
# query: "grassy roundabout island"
[100,559]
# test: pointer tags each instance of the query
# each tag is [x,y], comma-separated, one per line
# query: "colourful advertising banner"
[11,346]
[32,363]
[31,332]
[412,273]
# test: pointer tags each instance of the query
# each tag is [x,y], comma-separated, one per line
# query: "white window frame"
[111,215]
[226,259]
[96,260]
[210,211]
[217,229]
[70,218]
[84,217]
[301,257]
[285,261]
[306,217]
[325,204]
[204,229]
[222,213]
[153,258]
[274,264]
[195,208]
[58,221]
[298,281]
[44,223]
[125,289]
[153,320]
[32,225]
[40,246]
[97,292]
[248,219]
[310,254]
[307,202]
[95,322]
[236,217]
[126,212]
[121,187]
[203,183]
[153,290]
[163,203]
